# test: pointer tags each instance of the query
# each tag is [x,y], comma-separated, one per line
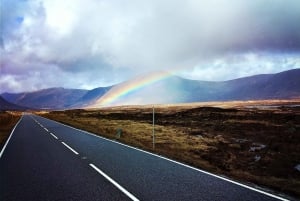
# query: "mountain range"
[52,98]
[5,105]
[171,89]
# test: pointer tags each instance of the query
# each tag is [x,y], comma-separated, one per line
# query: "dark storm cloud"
[96,41]
[273,25]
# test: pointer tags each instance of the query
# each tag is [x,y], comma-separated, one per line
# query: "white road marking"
[75,152]
[179,163]
[53,135]
[114,183]
[199,170]
[46,129]
[10,137]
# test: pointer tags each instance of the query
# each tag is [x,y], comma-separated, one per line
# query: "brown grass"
[214,139]
[7,121]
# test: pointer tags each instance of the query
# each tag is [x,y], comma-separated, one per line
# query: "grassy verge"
[250,145]
[7,121]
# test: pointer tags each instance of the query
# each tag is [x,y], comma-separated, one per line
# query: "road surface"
[45,160]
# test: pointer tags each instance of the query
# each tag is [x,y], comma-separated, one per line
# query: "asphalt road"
[45,160]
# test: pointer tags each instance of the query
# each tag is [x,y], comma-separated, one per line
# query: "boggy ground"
[254,145]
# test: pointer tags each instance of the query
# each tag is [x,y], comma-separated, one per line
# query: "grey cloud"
[244,64]
[162,34]
[116,39]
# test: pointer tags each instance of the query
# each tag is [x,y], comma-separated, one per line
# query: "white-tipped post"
[153,130]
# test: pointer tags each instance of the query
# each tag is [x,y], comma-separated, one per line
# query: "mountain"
[174,89]
[284,85]
[52,98]
[91,96]
[5,105]
[163,88]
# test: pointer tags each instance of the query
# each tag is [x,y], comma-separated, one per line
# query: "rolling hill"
[169,89]
[52,98]
[284,85]
[91,96]
[5,105]
[174,89]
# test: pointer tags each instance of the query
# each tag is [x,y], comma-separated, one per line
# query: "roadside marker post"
[119,133]
[153,130]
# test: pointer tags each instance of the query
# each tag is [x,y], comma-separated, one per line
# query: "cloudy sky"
[92,43]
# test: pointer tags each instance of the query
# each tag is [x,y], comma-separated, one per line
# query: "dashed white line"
[54,135]
[179,163]
[114,183]
[75,152]
[46,129]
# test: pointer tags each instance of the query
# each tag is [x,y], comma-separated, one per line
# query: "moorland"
[8,120]
[255,142]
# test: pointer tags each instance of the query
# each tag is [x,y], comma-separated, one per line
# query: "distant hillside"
[168,89]
[91,96]
[5,105]
[174,89]
[52,98]
[284,85]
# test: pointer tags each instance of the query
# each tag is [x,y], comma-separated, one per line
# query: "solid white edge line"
[114,183]
[179,163]
[53,135]
[75,152]
[10,136]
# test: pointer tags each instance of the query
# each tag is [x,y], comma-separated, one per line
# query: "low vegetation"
[7,121]
[259,146]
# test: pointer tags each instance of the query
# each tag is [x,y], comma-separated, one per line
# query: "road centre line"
[75,152]
[132,197]
[53,135]
[179,163]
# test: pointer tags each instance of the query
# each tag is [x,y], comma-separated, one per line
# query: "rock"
[241,140]
[257,158]
[297,167]
[235,146]
[257,147]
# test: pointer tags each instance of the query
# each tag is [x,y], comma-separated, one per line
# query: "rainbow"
[127,87]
